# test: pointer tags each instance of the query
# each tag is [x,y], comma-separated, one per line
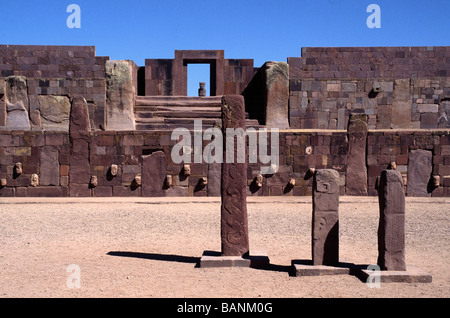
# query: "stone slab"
[411,275]
[255,259]
[306,268]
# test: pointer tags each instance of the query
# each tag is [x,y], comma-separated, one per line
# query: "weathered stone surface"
[234,222]
[277,94]
[356,177]
[401,105]
[79,127]
[120,94]
[17,104]
[325,223]
[2,109]
[154,174]
[79,124]
[54,112]
[420,166]
[443,119]
[214,179]
[49,166]
[391,229]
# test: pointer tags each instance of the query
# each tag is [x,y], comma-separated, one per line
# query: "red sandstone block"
[64,170]
[44,192]
[6,192]
[103,191]
[122,191]
[9,140]
[375,171]
[54,140]
[402,159]
[79,190]
[133,140]
[21,192]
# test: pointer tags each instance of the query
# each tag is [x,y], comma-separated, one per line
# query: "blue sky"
[260,29]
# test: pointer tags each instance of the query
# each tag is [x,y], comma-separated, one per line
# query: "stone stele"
[325,223]
[391,229]
[234,226]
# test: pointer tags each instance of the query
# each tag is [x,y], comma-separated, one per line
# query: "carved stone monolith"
[325,222]
[356,176]
[391,229]
[234,224]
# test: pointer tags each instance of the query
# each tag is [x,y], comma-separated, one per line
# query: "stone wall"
[396,87]
[50,75]
[48,154]
[354,110]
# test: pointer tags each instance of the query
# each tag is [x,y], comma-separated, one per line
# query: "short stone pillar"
[325,222]
[391,229]
[202,90]
[391,236]
[234,226]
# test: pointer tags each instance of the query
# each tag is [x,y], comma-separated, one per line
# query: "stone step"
[212,101]
[188,123]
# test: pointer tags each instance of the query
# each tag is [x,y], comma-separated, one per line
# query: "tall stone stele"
[356,176]
[120,95]
[391,229]
[325,221]
[234,223]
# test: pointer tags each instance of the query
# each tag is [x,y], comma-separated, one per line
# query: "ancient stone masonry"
[353,110]
[234,227]
[396,87]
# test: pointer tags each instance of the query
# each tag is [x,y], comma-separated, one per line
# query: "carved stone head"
[186,170]
[291,182]
[93,182]
[436,181]
[18,168]
[169,181]
[327,181]
[113,169]
[259,180]
[34,180]
[138,180]
[203,181]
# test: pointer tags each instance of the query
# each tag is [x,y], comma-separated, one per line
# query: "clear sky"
[265,30]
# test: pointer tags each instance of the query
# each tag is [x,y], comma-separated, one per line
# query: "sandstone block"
[391,229]
[277,94]
[49,166]
[325,224]
[120,95]
[54,112]
[154,174]
[419,172]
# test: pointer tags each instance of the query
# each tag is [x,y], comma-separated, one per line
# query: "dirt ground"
[149,247]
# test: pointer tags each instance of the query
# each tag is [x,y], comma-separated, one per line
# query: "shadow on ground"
[194,260]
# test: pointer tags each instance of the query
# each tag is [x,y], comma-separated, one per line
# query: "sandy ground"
[142,247]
